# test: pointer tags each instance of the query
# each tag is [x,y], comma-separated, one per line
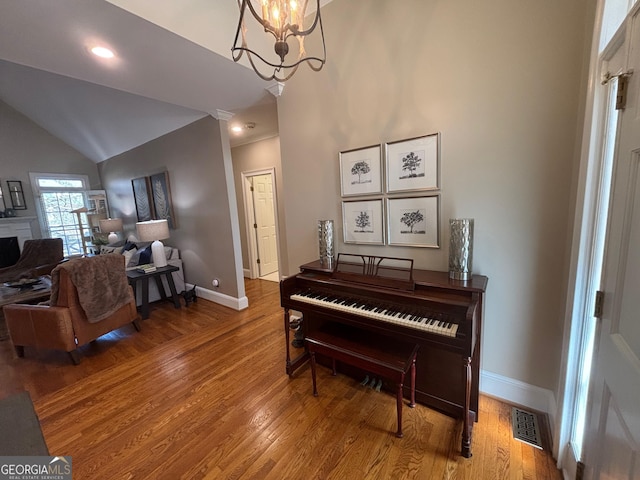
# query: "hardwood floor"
[201,392]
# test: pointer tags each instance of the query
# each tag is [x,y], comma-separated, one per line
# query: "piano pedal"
[378,385]
[373,383]
[365,381]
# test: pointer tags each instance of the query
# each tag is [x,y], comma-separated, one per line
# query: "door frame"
[583,249]
[612,390]
[588,232]
[249,217]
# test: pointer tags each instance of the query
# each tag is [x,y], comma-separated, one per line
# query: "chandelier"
[284,19]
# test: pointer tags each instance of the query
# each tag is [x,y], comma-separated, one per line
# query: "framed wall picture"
[361,171]
[414,221]
[142,196]
[16,195]
[413,164]
[161,194]
[363,222]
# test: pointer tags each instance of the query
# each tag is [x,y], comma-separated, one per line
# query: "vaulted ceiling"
[172,66]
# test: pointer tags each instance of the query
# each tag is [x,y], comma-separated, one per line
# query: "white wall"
[251,157]
[501,81]
[26,147]
[193,156]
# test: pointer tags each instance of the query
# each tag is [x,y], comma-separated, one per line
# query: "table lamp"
[154,231]
[111,225]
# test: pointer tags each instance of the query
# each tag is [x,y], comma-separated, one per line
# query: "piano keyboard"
[389,314]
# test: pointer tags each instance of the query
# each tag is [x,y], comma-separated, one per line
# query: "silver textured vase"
[325,241]
[460,248]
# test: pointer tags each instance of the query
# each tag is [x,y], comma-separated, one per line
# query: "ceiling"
[170,69]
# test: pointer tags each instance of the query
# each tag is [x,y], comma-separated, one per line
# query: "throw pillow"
[128,246]
[128,255]
[145,256]
[141,256]
[104,249]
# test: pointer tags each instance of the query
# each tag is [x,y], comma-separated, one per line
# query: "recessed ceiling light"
[102,52]
[236,129]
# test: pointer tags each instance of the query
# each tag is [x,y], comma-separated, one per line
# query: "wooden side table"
[135,276]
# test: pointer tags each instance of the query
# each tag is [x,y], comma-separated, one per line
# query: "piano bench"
[389,358]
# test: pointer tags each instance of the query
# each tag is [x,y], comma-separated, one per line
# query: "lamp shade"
[111,225]
[152,230]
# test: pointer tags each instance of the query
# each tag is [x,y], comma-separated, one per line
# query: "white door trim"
[249,215]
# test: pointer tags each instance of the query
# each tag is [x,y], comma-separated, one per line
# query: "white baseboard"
[220,298]
[246,273]
[519,393]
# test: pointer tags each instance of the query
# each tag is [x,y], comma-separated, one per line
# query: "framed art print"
[16,195]
[363,222]
[413,164]
[361,171]
[414,221]
[142,196]
[161,194]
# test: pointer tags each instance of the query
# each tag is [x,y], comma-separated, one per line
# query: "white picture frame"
[361,171]
[414,221]
[363,221]
[413,164]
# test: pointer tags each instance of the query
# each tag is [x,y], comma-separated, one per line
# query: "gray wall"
[502,82]
[193,156]
[26,147]
[261,155]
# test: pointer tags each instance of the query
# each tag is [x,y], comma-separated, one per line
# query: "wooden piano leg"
[313,373]
[413,383]
[399,401]
[467,420]
[286,335]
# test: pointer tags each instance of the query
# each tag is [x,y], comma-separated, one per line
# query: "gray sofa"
[132,257]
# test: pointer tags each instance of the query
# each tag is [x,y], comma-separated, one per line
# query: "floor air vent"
[526,427]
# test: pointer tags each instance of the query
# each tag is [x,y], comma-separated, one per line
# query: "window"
[587,337]
[67,209]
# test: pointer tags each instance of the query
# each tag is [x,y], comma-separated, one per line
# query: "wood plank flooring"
[201,393]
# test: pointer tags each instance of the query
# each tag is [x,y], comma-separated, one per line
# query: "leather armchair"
[38,257]
[64,325]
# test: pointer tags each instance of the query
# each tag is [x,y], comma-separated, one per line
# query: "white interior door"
[613,432]
[266,232]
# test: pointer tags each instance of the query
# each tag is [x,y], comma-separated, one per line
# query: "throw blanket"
[101,283]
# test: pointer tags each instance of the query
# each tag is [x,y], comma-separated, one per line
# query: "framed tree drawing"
[414,221]
[363,222]
[413,164]
[142,196]
[161,194]
[361,171]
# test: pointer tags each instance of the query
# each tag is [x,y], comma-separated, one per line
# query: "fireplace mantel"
[17,227]
[17,219]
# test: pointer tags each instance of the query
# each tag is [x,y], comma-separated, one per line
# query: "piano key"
[408,318]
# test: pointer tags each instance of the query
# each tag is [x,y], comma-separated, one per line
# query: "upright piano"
[388,296]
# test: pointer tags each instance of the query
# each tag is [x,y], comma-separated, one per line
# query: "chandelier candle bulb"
[283,22]
[460,248]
